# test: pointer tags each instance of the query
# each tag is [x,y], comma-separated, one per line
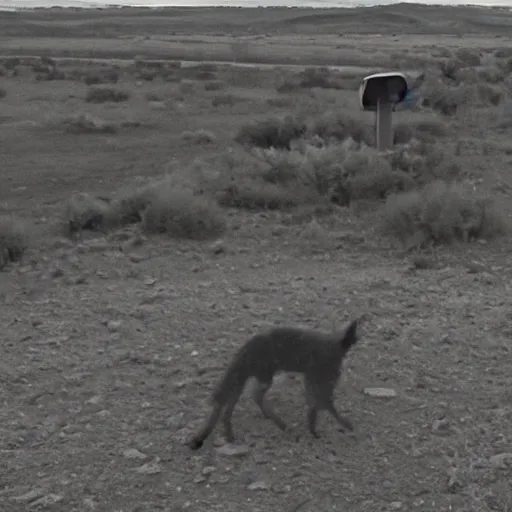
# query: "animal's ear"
[351,330]
[350,335]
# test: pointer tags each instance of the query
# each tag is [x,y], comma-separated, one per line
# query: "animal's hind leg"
[344,423]
[312,404]
[320,393]
[228,413]
[268,411]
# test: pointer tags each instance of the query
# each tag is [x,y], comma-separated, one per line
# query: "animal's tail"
[350,338]
[234,378]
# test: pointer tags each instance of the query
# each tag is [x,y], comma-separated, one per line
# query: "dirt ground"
[111,344]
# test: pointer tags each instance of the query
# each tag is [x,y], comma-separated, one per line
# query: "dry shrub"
[221,100]
[198,137]
[488,94]
[257,195]
[338,126]
[349,170]
[427,130]
[153,96]
[491,74]
[279,133]
[443,99]
[3,92]
[425,161]
[468,56]
[280,102]
[101,76]
[309,78]
[214,85]
[86,123]
[13,239]
[85,212]
[273,132]
[182,214]
[129,205]
[441,213]
[340,172]
[106,94]
[450,67]
[503,53]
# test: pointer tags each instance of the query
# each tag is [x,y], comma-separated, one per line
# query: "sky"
[246,3]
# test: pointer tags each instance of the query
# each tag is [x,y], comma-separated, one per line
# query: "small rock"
[441,426]
[232,450]
[380,392]
[94,400]
[218,247]
[56,341]
[56,272]
[89,503]
[113,325]
[29,496]
[207,470]
[46,501]
[258,486]
[454,484]
[395,505]
[149,281]
[501,460]
[136,258]
[150,468]
[132,453]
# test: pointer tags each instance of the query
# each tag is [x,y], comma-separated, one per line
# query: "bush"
[85,212]
[227,99]
[214,85]
[103,76]
[339,172]
[274,132]
[334,125]
[309,78]
[450,67]
[440,213]
[443,99]
[198,137]
[85,123]
[106,94]
[255,195]
[13,239]
[468,56]
[426,130]
[182,214]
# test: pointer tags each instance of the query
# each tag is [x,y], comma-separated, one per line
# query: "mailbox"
[380,93]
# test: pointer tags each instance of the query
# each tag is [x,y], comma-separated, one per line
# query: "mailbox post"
[380,93]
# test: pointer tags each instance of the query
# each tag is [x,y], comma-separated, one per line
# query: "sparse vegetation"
[202,205]
[85,123]
[106,94]
[198,137]
[182,214]
[441,213]
[13,239]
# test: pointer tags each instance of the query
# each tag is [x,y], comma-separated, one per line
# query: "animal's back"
[287,349]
